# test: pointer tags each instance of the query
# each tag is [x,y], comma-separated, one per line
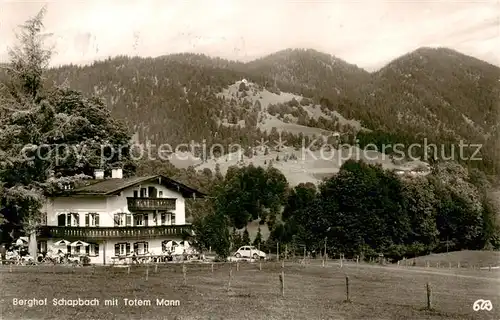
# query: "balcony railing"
[149,204]
[103,233]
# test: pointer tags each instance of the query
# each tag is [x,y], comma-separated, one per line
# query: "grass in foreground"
[311,292]
[466,258]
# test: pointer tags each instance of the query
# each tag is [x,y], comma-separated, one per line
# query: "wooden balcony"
[150,204]
[104,233]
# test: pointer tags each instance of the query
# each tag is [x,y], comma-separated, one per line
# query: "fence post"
[429,296]
[237,266]
[212,267]
[304,256]
[156,267]
[230,276]
[458,265]
[341,258]
[128,269]
[260,265]
[147,272]
[348,299]
[282,281]
[324,255]
[184,271]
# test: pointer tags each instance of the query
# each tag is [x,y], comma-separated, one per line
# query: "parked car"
[250,252]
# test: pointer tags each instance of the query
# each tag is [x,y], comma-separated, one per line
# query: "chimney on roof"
[99,174]
[117,173]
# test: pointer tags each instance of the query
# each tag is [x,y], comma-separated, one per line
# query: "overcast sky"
[367,33]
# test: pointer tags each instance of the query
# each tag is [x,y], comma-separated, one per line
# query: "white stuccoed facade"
[93,219]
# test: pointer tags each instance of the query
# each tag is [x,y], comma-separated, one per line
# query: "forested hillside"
[438,94]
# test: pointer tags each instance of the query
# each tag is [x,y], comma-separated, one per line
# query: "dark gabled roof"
[108,187]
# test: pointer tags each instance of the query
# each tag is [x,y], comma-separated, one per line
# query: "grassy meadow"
[311,291]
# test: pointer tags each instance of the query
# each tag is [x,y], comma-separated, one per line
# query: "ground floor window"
[42,246]
[92,250]
[168,245]
[141,247]
[75,250]
[122,249]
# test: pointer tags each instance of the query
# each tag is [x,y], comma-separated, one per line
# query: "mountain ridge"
[439,94]
[258,57]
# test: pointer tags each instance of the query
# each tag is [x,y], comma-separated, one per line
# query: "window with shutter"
[73,219]
[68,248]
[117,219]
[152,192]
[146,247]
[136,193]
[128,219]
[136,247]
[139,220]
[96,219]
[117,249]
[61,220]
[90,219]
[42,246]
[173,218]
[93,249]
[68,219]
[128,248]
[146,219]
[143,192]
